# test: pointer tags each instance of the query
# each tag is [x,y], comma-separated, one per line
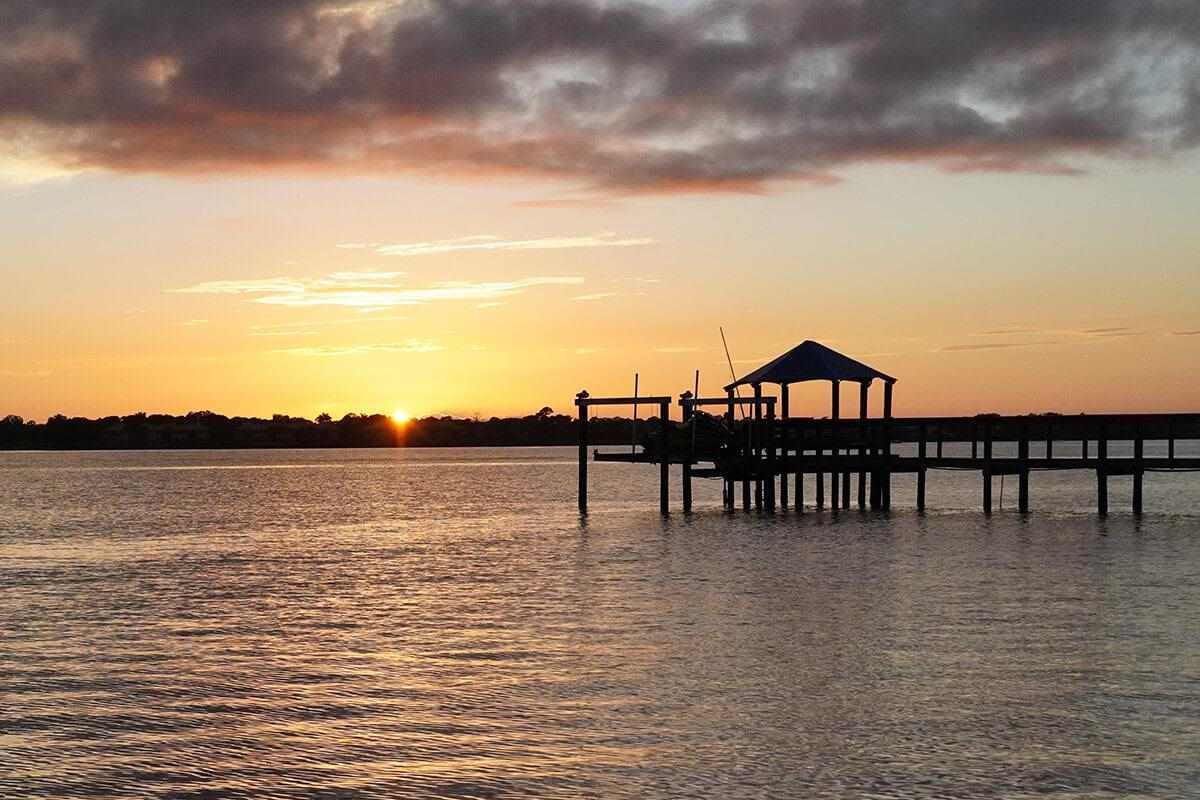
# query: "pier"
[761,457]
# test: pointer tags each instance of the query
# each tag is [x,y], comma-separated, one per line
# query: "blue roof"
[811,361]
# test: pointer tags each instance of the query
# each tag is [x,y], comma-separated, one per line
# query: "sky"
[478,207]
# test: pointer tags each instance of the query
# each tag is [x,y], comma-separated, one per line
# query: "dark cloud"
[627,96]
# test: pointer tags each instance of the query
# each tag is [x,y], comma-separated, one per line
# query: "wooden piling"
[1023,472]
[756,447]
[1138,472]
[689,412]
[987,469]
[863,390]
[583,445]
[887,444]
[783,475]
[835,415]
[770,459]
[1102,472]
[921,470]
[664,452]
[727,482]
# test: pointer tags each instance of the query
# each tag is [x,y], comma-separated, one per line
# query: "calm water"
[441,624]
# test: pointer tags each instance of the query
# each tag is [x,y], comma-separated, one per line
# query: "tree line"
[206,429]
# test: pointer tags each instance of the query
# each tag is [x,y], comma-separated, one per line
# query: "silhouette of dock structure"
[765,455]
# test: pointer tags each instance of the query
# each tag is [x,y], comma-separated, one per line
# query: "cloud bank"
[617,95]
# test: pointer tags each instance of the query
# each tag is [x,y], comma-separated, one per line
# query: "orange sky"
[981,293]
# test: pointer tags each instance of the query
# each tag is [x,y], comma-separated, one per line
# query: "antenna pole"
[732,374]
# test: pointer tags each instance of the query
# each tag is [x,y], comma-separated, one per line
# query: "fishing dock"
[761,453]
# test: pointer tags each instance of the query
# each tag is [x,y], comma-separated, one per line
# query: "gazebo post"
[783,455]
[887,444]
[863,389]
[834,415]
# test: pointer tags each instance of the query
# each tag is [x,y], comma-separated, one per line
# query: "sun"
[400,416]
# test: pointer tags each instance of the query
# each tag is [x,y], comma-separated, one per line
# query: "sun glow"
[400,416]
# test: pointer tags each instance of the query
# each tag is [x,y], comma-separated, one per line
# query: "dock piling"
[664,452]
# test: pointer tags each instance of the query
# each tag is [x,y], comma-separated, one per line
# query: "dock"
[763,455]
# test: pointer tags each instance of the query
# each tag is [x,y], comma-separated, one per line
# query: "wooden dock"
[769,456]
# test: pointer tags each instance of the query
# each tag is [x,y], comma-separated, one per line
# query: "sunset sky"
[466,207]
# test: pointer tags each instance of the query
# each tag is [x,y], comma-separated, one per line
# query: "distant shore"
[208,430]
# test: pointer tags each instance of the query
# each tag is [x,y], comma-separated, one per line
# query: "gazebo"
[813,361]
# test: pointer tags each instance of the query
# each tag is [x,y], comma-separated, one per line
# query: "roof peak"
[812,361]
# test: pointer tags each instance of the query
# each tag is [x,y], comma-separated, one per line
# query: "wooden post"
[1023,472]
[1170,441]
[770,456]
[664,449]
[756,438]
[1137,473]
[887,444]
[921,472]
[834,416]
[819,475]
[728,482]
[1085,449]
[863,389]
[1049,440]
[581,401]
[783,476]
[1102,472]
[689,413]
[987,468]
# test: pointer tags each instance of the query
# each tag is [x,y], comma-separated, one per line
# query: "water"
[441,624]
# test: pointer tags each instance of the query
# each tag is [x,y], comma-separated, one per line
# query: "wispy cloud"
[328,323]
[194,323]
[493,304]
[489,242]
[677,350]
[1007,332]
[1110,332]
[409,346]
[959,348]
[368,290]
[283,333]
[39,373]
[1186,333]
[597,296]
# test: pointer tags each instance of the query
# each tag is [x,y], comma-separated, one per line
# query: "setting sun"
[400,416]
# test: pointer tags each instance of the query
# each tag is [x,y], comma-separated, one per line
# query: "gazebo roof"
[811,361]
